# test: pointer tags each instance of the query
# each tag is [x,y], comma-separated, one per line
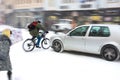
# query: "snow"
[16,33]
[43,64]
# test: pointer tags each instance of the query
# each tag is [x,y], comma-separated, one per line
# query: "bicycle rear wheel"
[45,44]
[28,45]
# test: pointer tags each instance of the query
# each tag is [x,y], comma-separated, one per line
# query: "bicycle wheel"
[45,44]
[28,45]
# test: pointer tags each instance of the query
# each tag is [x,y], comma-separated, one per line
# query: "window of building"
[82,1]
[85,6]
[90,0]
[22,1]
[64,7]
[68,1]
[39,1]
[113,1]
[28,1]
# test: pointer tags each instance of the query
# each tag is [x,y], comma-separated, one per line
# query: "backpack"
[32,25]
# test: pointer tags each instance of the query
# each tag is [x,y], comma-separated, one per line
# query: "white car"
[100,39]
[63,24]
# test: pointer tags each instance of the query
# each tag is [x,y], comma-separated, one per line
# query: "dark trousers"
[9,75]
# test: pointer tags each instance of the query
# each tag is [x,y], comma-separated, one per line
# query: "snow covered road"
[43,64]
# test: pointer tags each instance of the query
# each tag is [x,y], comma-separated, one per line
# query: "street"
[43,64]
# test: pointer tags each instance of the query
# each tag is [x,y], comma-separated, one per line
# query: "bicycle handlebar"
[43,33]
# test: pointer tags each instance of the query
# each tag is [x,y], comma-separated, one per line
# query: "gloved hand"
[46,31]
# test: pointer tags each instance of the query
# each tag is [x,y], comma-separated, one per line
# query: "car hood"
[58,36]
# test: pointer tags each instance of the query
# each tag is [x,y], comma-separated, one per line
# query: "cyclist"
[34,28]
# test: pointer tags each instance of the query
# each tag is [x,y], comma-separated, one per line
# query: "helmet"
[37,20]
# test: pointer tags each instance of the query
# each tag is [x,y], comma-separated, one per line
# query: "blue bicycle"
[30,44]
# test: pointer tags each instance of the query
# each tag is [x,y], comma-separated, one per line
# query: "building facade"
[110,11]
[25,11]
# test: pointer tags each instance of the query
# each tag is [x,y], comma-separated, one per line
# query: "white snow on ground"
[43,64]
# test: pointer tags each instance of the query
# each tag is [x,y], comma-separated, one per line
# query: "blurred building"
[102,11]
[110,11]
[25,11]
[73,9]
[21,12]
[1,12]
[5,8]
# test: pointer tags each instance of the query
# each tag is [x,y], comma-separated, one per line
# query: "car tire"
[110,53]
[57,46]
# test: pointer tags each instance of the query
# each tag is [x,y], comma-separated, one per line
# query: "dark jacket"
[5,63]
[35,31]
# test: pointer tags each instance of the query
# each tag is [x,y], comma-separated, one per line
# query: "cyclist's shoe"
[38,46]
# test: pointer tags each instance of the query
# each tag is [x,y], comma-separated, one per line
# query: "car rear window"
[99,31]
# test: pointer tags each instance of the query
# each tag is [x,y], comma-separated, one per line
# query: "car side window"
[99,31]
[81,31]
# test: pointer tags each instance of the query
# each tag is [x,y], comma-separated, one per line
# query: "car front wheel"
[57,46]
[110,53]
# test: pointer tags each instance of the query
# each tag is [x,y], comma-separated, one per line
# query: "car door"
[97,36]
[75,40]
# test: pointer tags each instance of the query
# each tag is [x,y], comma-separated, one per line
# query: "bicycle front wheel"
[28,45]
[45,44]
